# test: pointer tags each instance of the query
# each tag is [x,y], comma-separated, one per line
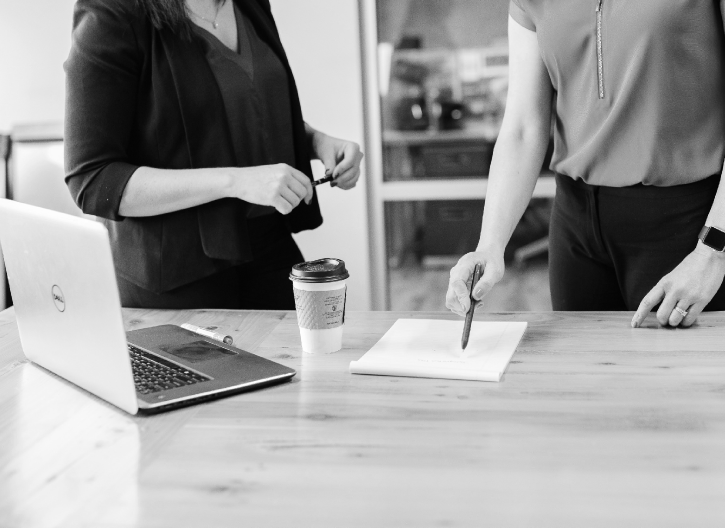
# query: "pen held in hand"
[469,316]
[326,179]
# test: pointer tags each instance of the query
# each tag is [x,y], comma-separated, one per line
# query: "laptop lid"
[66,299]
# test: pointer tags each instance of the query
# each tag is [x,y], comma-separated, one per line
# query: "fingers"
[491,275]
[342,159]
[457,297]
[668,313]
[351,157]
[348,179]
[285,201]
[650,300]
[452,301]
[678,314]
[459,291]
[666,308]
[297,188]
[282,205]
[305,192]
[692,314]
[685,291]
[347,182]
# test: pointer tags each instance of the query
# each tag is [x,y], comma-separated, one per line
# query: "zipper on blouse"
[600,58]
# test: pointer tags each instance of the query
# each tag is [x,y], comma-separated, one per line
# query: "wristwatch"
[713,238]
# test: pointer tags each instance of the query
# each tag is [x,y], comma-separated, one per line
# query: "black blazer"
[137,96]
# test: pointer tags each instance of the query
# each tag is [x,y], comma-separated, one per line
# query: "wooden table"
[595,424]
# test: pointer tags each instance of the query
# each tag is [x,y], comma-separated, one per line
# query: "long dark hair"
[171,14]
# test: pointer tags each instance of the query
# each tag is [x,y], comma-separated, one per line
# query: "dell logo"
[58,298]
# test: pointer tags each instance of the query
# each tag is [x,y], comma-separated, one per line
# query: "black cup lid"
[323,270]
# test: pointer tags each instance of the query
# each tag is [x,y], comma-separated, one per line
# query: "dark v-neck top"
[255,90]
[640,87]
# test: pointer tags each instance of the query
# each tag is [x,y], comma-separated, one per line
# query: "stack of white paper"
[424,348]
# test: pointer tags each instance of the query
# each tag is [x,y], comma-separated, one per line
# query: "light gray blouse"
[640,87]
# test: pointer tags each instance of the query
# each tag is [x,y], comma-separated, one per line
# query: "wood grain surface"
[595,424]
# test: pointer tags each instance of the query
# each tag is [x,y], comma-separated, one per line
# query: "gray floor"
[424,289]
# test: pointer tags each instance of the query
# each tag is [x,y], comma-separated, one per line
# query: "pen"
[326,179]
[471,309]
[206,332]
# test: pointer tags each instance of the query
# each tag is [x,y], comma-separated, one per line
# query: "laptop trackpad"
[197,351]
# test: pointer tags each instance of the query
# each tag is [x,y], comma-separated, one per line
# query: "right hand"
[457,297]
[281,186]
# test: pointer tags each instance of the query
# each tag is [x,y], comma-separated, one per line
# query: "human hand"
[457,297]
[281,186]
[689,287]
[341,158]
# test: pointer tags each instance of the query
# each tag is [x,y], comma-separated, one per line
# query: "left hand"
[340,157]
[690,286]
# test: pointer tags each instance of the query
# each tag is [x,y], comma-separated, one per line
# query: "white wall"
[322,40]
[34,42]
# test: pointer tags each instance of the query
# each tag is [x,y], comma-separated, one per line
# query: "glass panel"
[443,80]
[443,70]
[424,239]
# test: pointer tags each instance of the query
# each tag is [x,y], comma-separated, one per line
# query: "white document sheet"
[424,348]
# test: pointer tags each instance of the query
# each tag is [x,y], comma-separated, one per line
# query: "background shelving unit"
[387,191]
[454,189]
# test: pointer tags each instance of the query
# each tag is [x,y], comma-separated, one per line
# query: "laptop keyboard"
[152,374]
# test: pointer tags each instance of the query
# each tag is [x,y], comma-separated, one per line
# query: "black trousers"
[262,284]
[608,246]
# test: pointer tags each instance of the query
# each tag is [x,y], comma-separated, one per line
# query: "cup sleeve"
[517,12]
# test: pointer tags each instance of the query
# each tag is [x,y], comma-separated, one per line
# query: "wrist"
[710,254]
[230,183]
[490,247]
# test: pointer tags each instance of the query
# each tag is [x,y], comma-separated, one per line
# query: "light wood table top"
[595,424]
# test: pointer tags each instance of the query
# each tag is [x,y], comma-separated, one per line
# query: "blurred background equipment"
[435,101]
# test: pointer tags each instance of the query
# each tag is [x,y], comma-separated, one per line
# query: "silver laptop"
[68,311]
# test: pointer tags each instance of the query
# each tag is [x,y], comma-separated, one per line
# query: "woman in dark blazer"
[184,135]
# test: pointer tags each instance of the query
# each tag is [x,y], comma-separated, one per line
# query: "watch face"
[715,239]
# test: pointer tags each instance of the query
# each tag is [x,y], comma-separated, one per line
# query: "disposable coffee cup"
[320,288]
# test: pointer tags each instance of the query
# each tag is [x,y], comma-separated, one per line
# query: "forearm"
[311,133]
[521,143]
[716,217]
[516,165]
[152,192]
[312,137]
